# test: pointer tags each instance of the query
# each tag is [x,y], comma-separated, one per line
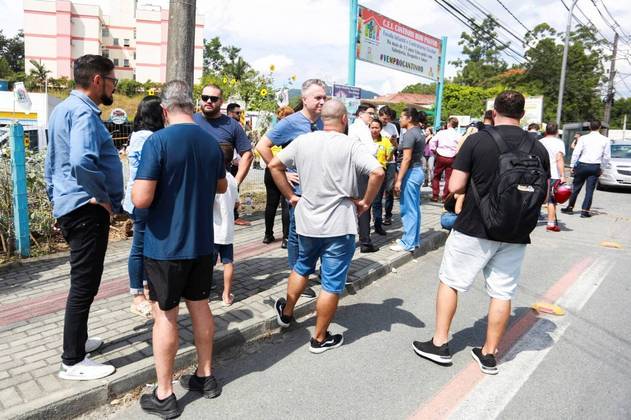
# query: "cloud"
[311,36]
[281,62]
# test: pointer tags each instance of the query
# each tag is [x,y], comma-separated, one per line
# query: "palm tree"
[39,73]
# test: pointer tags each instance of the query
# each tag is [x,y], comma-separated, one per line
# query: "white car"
[618,174]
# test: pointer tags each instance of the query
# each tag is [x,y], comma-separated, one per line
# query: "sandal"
[142,309]
[230,300]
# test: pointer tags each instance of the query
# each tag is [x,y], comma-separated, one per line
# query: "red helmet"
[561,192]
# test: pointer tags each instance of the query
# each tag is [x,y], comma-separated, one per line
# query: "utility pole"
[612,74]
[181,43]
[566,47]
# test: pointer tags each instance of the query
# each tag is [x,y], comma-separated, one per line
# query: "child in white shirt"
[223,225]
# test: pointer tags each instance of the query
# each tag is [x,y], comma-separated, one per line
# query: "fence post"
[20,200]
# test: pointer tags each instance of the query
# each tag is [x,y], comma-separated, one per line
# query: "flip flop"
[229,302]
[548,308]
[142,309]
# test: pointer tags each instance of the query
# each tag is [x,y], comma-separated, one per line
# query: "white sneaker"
[397,248]
[85,370]
[93,344]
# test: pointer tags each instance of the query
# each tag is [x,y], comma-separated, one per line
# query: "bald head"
[334,115]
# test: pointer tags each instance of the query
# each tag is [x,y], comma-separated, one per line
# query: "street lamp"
[564,62]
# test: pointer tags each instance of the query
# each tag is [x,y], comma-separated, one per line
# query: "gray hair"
[310,82]
[177,94]
[333,110]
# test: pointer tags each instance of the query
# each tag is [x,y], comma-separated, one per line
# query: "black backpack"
[510,209]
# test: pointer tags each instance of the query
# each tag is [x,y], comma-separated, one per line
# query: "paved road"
[575,366]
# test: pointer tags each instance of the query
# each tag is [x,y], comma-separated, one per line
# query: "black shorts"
[171,280]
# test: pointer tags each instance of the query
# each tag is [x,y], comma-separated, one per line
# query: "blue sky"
[309,38]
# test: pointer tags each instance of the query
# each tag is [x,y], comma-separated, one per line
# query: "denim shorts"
[226,252]
[335,256]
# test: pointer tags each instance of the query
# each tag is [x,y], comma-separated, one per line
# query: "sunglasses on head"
[207,98]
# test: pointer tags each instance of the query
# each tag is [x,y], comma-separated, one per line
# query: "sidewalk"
[33,295]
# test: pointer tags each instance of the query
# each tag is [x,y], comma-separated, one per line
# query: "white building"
[133,36]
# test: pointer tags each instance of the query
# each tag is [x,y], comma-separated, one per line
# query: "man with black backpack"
[503,172]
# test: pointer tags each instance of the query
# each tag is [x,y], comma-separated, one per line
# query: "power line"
[499,22]
[468,25]
[614,20]
[514,17]
[480,28]
[589,20]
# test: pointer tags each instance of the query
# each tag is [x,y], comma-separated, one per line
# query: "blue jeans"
[335,255]
[292,240]
[411,207]
[135,264]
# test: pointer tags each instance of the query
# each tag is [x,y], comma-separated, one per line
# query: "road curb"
[142,372]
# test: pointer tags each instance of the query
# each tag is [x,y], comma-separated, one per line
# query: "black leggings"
[273,197]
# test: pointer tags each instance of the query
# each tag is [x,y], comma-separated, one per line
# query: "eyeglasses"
[213,99]
[113,79]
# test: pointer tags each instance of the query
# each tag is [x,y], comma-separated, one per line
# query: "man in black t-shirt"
[469,250]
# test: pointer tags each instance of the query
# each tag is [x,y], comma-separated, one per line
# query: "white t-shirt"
[330,165]
[553,145]
[223,212]
[389,131]
[361,132]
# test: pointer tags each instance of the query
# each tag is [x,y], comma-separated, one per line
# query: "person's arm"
[277,170]
[84,156]
[244,166]
[264,147]
[458,181]
[606,157]
[222,186]
[576,153]
[405,165]
[560,166]
[143,192]
[459,203]
[375,179]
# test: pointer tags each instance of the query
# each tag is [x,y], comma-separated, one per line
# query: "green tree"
[213,58]
[12,50]
[621,107]
[129,87]
[422,88]
[39,73]
[585,73]
[482,54]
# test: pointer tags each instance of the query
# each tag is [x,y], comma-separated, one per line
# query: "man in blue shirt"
[180,171]
[225,129]
[305,121]
[84,182]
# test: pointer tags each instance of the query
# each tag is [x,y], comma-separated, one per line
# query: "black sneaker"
[282,320]
[268,239]
[487,362]
[330,342]
[567,210]
[207,385]
[432,352]
[585,214]
[167,408]
[368,248]
[380,231]
[308,292]
[284,243]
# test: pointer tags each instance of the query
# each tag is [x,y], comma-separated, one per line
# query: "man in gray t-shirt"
[329,165]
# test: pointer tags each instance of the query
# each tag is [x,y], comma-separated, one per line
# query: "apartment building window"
[134,55]
[115,42]
[134,33]
[115,62]
[126,42]
[126,62]
[105,31]
[105,53]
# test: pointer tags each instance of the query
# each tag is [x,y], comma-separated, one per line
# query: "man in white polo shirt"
[591,154]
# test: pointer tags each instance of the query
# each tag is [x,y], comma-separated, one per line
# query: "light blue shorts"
[335,256]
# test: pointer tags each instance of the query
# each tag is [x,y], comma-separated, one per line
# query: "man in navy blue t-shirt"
[225,130]
[180,171]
